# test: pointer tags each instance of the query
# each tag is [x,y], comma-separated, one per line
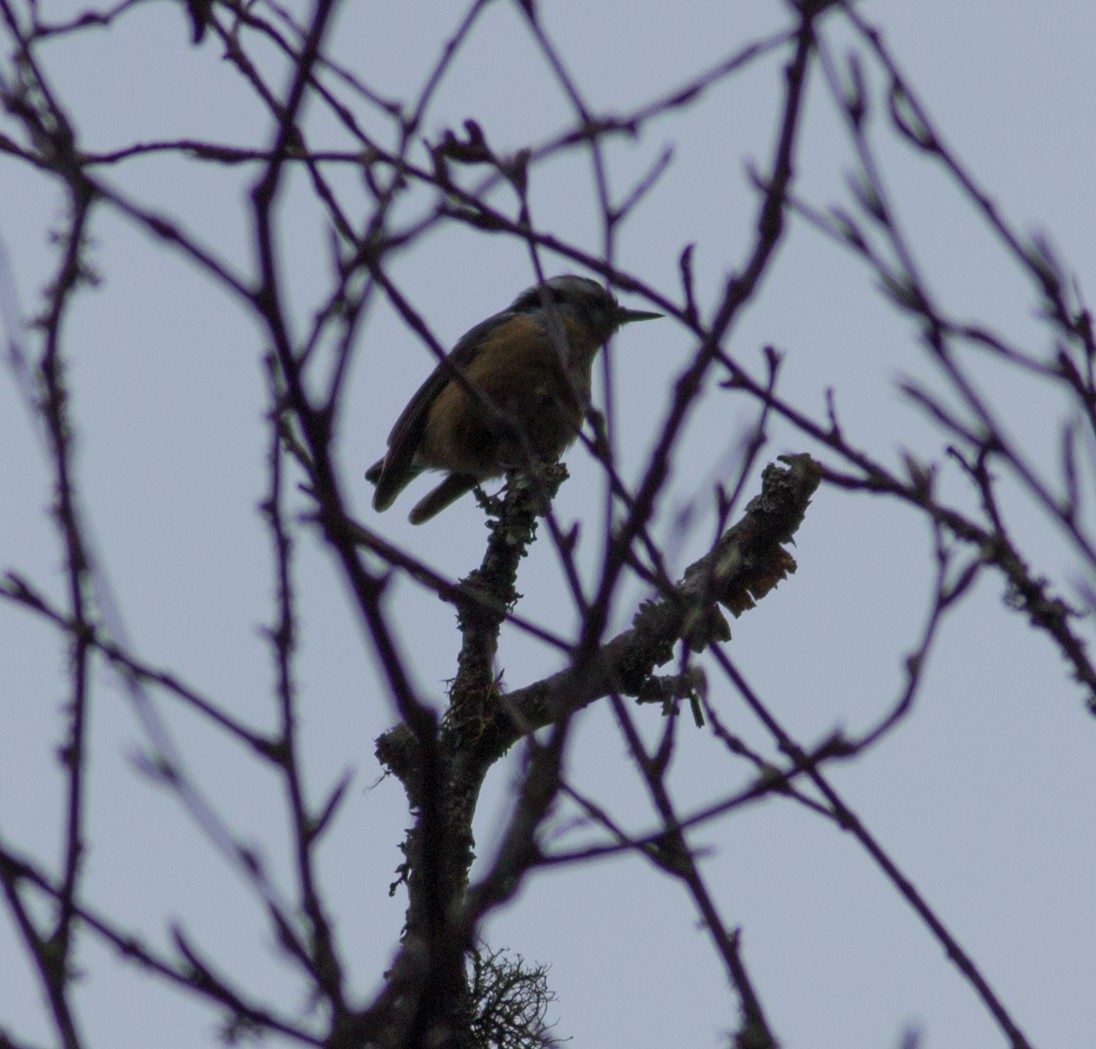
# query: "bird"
[514,390]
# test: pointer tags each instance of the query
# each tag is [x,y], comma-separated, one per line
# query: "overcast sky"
[983,795]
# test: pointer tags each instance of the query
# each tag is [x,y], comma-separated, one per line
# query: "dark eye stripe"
[534,297]
[576,290]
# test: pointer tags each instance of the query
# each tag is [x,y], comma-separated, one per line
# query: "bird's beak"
[627,316]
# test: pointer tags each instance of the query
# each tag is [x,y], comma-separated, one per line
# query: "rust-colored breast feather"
[541,407]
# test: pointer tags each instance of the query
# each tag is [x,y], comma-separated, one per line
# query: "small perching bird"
[526,389]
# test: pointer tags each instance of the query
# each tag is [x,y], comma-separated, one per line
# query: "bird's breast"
[541,401]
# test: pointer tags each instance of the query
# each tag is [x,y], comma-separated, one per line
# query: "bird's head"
[585,300]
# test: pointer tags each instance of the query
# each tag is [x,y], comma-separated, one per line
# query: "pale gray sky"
[983,794]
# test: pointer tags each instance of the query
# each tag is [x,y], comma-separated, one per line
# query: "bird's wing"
[397,467]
